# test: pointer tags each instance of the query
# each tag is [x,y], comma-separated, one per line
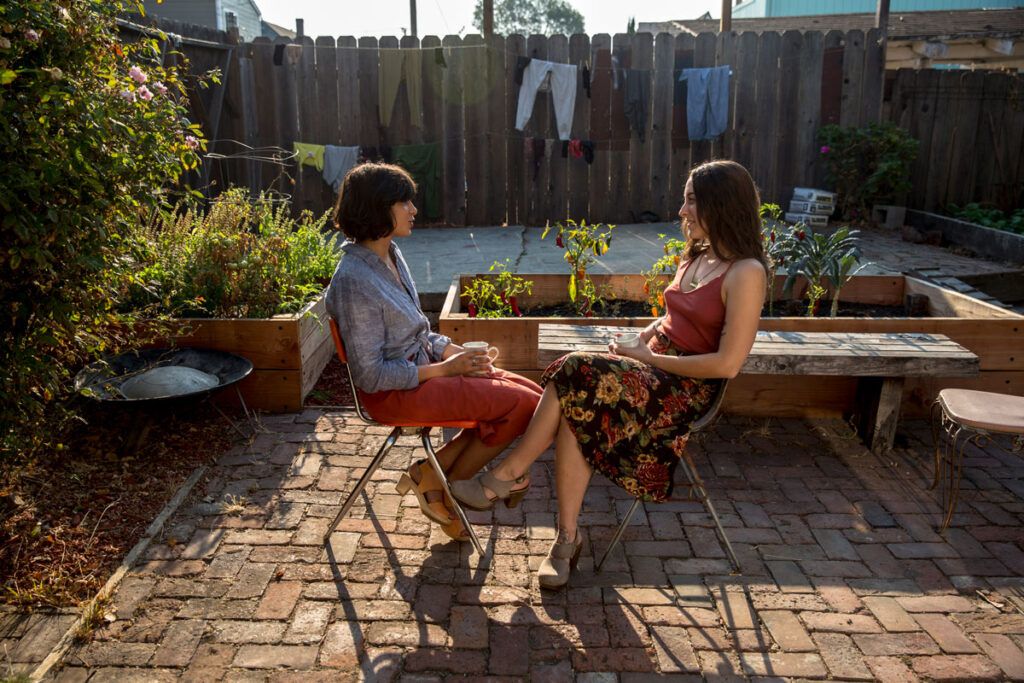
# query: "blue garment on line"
[707,101]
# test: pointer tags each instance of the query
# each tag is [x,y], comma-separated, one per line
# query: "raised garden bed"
[990,243]
[288,352]
[994,334]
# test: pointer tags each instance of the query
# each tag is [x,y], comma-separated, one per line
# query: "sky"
[441,17]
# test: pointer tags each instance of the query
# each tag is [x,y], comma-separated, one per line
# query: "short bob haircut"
[363,208]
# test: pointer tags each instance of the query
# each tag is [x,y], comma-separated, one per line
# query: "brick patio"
[843,575]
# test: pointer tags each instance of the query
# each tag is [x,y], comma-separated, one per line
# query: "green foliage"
[867,165]
[778,239]
[990,217]
[654,279]
[92,130]
[526,17]
[245,257]
[583,244]
[496,297]
[818,258]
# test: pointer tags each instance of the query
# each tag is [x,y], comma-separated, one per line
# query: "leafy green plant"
[817,257]
[583,244]
[654,279]
[245,257]
[868,165]
[496,297]
[778,239]
[92,131]
[990,217]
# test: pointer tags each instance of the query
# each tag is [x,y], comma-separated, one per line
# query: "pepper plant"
[583,244]
[666,265]
[496,297]
[779,240]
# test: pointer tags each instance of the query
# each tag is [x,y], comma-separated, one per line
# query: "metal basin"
[103,380]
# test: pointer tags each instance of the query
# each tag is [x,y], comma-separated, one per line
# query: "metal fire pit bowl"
[102,380]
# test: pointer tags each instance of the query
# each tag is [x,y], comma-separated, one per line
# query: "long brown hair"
[728,206]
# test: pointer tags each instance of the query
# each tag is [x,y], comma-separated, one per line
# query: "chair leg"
[698,486]
[363,480]
[618,534]
[951,494]
[429,448]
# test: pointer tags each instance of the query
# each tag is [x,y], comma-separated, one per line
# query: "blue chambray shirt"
[385,332]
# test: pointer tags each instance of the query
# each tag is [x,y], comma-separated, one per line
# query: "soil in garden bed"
[621,308]
[67,519]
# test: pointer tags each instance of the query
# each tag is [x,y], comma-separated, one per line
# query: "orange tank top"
[694,320]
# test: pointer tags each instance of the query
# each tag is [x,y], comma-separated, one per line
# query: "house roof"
[902,25]
[280,30]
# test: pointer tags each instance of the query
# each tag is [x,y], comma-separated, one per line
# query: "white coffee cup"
[627,340]
[482,347]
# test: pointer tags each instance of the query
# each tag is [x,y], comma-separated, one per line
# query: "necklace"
[697,279]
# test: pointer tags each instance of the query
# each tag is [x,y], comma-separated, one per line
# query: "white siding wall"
[248,18]
[201,12]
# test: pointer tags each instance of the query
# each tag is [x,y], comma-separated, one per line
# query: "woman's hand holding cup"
[484,356]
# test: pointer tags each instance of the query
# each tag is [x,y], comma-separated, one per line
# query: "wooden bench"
[881,362]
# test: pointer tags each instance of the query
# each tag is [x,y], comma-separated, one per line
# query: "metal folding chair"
[697,489]
[404,429]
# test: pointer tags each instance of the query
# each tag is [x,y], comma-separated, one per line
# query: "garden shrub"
[92,130]
[867,165]
[245,257]
[990,217]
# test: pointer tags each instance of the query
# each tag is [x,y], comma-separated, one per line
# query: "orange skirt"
[502,403]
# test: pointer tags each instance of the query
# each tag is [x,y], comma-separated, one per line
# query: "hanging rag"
[310,155]
[382,153]
[536,147]
[563,93]
[707,101]
[586,78]
[423,162]
[395,66]
[576,148]
[616,72]
[521,64]
[279,54]
[338,161]
[588,151]
[439,58]
[637,95]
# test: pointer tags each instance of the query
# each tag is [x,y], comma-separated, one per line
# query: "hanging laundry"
[707,101]
[637,95]
[588,151]
[423,162]
[279,54]
[310,155]
[382,153]
[536,147]
[521,64]
[586,78]
[439,58]
[576,148]
[395,66]
[338,161]
[616,72]
[563,93]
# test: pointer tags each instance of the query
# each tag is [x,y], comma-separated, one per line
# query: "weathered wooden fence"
[970,125]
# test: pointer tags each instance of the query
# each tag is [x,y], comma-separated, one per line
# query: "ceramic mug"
[627,340]
[484,348]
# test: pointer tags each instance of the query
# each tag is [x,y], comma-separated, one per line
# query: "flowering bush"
[867,165]
[496,297]
[583,244]
[654,279]
[92,131]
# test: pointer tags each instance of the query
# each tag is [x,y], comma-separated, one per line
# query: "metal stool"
[406,428]
[966,416]
[697,489]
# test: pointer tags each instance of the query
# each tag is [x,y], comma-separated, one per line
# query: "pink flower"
[160,88]
[825,149]
[128,95]
[137,74]
[32,35]
[191,142]
[144,93]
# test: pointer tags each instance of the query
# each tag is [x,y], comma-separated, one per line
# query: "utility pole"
[412,18]
[726,24]
[882,18]
[488,18]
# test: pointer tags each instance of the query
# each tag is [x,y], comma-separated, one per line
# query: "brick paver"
[843,576]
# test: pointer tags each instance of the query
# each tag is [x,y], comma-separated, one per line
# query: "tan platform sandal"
[471,492]
[412,480]
[554,571]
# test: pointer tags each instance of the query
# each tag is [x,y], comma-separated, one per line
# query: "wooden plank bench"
[880,361]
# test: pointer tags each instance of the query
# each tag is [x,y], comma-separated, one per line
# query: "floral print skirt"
[630,419]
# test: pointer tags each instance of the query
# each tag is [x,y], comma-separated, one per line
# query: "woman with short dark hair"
[625,413]
[401,368]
